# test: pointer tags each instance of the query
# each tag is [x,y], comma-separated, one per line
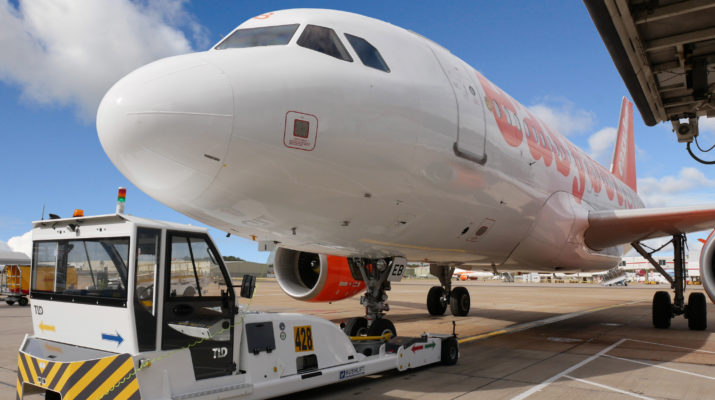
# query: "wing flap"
[615,227]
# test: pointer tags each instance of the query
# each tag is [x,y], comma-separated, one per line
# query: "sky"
[59,57]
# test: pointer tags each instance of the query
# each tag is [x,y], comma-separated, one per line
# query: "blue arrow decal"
[115,338]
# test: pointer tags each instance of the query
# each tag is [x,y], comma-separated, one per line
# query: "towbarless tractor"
[131,308]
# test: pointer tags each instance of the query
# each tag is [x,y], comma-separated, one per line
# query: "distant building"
[239,268]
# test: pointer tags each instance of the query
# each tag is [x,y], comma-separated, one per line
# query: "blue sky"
[60,56]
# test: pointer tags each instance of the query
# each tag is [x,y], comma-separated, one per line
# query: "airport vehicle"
[344,143]
[150,312]
[14,278]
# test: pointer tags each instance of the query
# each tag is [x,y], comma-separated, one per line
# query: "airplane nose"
[167,126]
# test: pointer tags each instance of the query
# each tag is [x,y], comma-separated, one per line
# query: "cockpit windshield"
[254,37]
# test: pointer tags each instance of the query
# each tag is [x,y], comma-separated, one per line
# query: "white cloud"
[21,244]
[601,145]
[561,115]
[70,52]
[689,187]
[706,124]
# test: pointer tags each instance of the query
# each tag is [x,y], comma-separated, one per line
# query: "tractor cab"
[119,284]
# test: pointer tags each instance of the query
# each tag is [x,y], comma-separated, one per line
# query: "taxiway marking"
[611,388]
[542,322]
[567,371]
[662,367]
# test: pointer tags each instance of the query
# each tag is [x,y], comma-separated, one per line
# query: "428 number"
[303,338]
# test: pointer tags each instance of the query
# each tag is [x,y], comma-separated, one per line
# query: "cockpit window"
[324,40]
[368,53]
[264,36]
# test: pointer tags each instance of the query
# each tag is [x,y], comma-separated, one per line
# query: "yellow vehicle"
[14,278]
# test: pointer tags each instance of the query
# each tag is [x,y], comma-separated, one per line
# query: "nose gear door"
[198,305]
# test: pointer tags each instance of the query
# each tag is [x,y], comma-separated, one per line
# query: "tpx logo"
[220,352]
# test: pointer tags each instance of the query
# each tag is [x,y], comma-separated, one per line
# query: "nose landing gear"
[377,275]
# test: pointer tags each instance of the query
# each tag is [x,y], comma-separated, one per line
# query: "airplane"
[351,146]
[464,275]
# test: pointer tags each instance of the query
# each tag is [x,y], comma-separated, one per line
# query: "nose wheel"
[439,297]
[377,274]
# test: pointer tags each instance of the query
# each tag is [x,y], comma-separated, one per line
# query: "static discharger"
[121,199]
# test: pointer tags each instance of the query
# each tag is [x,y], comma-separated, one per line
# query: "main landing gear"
[439,297]
[377,275]
[663,310]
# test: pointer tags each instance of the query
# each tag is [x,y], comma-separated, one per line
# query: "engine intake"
[707,266]
[314,277]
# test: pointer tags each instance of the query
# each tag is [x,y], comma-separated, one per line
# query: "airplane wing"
[614,227]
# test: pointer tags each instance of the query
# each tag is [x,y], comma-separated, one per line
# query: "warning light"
[121,199]
[78,213]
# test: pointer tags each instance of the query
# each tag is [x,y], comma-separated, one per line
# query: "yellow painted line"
[534,324]
[409,246]
[114,379]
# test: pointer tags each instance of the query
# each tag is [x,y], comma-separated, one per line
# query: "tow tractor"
[127,308]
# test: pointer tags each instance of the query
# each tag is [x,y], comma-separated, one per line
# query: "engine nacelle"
[314,277]
[707,266]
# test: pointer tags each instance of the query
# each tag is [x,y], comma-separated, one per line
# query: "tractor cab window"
[263,36]
[86,271]
[323,40]
[195,271]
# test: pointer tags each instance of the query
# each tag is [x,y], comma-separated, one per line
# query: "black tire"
[662,310]
[356,327]
[435,305]
[459,301]
[450,351]
[10,302]
[380,327]
[697,312]
[23,301]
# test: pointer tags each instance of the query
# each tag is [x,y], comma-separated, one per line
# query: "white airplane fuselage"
[429,161]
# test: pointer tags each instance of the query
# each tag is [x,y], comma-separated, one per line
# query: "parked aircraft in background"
[464,275]
[352,146]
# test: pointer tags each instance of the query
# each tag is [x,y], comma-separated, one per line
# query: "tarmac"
[535,341]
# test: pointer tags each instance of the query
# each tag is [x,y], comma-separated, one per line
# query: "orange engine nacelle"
[315,277]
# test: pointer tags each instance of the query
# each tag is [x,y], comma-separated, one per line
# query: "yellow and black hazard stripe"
[107,378]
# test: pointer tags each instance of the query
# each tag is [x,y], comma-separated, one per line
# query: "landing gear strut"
[377,275]
[439,297]
[663,310]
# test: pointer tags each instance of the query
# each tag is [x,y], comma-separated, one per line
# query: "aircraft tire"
[662,310]
[450,351]
[697,312]
[435,305]
[459,301]
[380,327]
[356,326]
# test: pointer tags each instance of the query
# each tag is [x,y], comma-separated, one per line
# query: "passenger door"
[198,305]
[471,134]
